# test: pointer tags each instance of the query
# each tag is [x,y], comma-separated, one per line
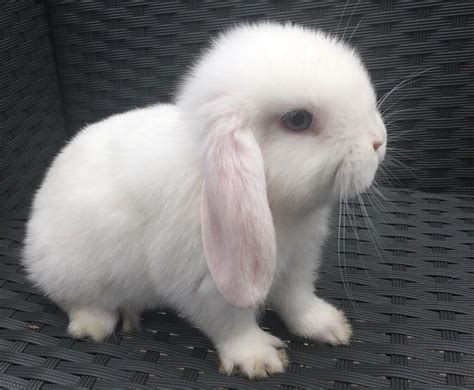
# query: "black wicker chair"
[405,279]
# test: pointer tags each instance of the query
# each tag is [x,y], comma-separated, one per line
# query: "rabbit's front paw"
[254,355]
[323,322]
[93,323]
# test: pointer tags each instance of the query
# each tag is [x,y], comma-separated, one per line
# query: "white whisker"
[398,100]
[356,27]
[355,230]
[350,17]
[401,85]
[349,292]
[370,226]
[342,15]
[395,113]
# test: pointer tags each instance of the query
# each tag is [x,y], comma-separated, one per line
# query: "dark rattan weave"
[407,285]
[411,305]
[32,126]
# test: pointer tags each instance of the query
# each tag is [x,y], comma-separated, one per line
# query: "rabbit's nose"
[376,145]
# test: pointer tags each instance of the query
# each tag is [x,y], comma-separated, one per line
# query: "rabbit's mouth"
[351,178]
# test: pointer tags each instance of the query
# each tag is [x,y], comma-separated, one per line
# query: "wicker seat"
[400,263]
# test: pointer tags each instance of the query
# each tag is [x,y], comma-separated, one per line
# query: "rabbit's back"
[104,221]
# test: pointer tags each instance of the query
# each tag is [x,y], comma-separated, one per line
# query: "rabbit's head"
[289,122]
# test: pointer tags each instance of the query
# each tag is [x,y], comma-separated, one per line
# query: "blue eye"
[297,120]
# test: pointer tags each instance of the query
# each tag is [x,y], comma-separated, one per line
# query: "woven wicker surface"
[31,115]
[411,305]
[114,54]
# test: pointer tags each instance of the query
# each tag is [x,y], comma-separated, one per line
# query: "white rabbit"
[216,204]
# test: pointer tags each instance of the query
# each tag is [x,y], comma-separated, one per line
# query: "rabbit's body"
[108,217]
[203,206]
[111,226]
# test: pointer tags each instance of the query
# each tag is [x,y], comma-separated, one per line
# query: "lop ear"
[237,227]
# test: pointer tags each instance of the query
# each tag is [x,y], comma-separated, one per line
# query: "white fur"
[116,228]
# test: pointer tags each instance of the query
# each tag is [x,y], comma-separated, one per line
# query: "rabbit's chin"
[352,179]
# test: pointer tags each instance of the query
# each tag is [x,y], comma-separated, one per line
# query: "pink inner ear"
[237,228]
